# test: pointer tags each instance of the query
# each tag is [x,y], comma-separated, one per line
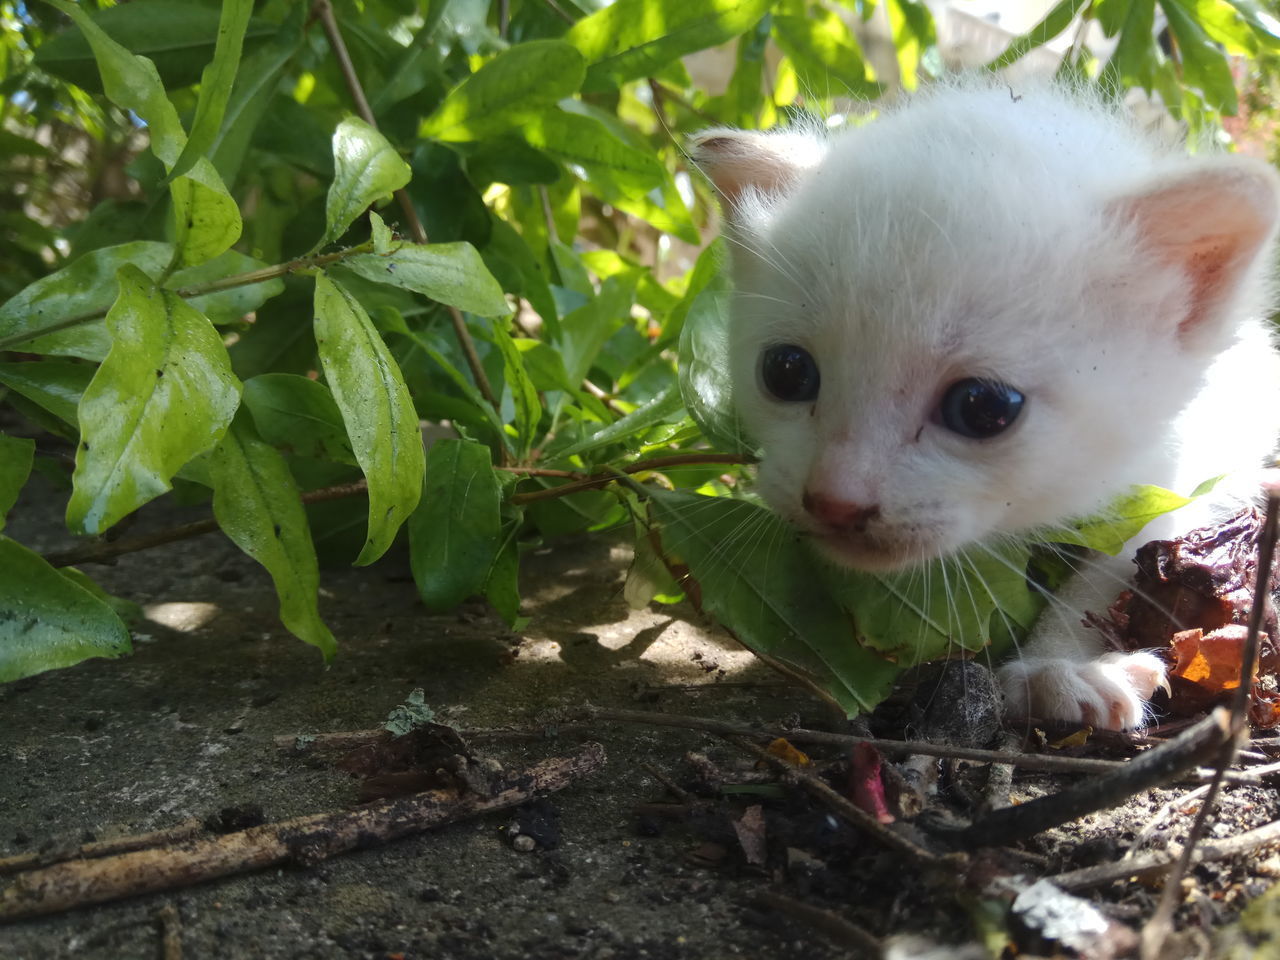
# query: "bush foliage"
[250,247]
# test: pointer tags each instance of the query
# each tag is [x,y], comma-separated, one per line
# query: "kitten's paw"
[1110,692]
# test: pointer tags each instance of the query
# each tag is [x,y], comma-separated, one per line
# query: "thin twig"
[324,10]
[246,279]
[170,932]
[308,840]
[1156,930]
[834,926]
[1153,864]
[351,739]
[104,551]
[840,805]
[1147,770]
[1026,761]
[640,466]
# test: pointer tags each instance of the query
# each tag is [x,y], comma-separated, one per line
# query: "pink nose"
[839,514]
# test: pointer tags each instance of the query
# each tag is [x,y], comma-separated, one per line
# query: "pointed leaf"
[86,286]
[455,534]
[55,385]
[257,505]
[584,140]
[451,273]
[755,577]
[631,39]
[216,83]
[299,416]
[366,167]
[523,393]
[16,456]
[1122,520]
[517,84]
[46,621]
[164,394]
[376,408]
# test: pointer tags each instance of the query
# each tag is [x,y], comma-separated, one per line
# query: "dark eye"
[980,408]
[790,373]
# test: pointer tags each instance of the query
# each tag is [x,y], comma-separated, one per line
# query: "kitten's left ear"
[743,164]
[1210,222]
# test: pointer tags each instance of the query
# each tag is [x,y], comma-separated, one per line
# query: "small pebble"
[524,843]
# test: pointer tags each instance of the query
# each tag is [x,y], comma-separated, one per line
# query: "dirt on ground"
[188,725]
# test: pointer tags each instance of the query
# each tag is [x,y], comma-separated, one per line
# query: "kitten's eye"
[790,373]
[980,408]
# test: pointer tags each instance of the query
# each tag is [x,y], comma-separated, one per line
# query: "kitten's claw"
[1110,692]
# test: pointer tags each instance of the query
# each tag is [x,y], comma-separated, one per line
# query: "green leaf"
[56,385]
[1110,530]
[376,408]
[502,586]
[631,39]
[824,49]
[85,287]
[128,611]
[366,167]
[164,394]
[257,505]
[1049,26]
[666,407]
[299,416]
[1134,60]
[513,87]
[177,35]
[46,621]
[972,601]
[384,241]
[451,273]
[207,220]
[16,456]
[524,394]
[1204,65]
[215,84]
[705,383]
[584,331]
[584,140]
[455,534]
[754,576]
[88,286]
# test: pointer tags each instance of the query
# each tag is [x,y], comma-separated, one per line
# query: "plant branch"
[640,466]
[324,10]
[1156,930]
[104,551]
[260,275]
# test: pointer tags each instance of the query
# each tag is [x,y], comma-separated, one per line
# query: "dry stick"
[836,927]
[170,932]
[106,550]
[307,839]
[324,10]
[1153,864]
[101,848]
[1147,770]
[1157,929]
[351,739]
[1027,761]
[841,805]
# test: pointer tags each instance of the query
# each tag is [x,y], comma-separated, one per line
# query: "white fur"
[1039,241]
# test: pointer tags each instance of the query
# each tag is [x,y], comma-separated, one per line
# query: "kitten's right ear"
[746,164]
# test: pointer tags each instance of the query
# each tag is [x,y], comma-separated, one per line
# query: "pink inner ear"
[740,160]
[1211,224]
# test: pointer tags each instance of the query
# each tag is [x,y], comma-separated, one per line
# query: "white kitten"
[983,313]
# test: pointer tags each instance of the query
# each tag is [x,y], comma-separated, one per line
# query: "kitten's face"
[932,350]
[910,407]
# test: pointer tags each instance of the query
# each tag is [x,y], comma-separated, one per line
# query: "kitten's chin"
[871,557]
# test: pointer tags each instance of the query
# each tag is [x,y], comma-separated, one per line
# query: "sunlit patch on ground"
[181,615]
